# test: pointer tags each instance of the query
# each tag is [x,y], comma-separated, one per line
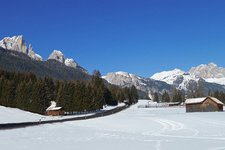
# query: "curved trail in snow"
[169,125]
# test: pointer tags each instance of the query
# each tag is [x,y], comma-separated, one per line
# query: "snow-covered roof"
[53,106]
[216,100]
[200,100]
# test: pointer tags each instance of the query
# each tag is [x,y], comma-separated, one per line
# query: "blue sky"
[137,36]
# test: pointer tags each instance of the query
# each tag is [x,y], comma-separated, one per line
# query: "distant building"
[54,111]
[204,104]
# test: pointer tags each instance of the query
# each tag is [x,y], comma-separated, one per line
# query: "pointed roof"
[201,100]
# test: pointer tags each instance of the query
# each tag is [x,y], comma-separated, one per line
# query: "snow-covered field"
[14,115]
[133,129]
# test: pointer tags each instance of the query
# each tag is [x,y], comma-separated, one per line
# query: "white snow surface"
[14,115]
[133,129]
[216,80]
[195,100]
[167,76]
[176,77]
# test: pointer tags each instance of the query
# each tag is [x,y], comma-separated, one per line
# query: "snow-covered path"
[133,129]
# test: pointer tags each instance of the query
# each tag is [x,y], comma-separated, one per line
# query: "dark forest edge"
[28,92]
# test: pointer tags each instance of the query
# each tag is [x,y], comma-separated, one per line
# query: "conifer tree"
[165,97]
[156,97]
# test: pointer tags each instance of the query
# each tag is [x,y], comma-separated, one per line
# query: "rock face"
[210,70]
[33,55]
[210,73]
[17,43]
[57,55]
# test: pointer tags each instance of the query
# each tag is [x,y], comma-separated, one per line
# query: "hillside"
[16,61]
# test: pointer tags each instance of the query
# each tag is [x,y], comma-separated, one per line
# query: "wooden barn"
[204,104]
[54,111]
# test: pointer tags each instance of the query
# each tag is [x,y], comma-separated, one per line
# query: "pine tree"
[156,97]
[177,96]
[165,97]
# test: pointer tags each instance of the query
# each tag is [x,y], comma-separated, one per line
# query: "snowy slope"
[177,77]
[216,80]
[14,115]
[168,76]
[133,129]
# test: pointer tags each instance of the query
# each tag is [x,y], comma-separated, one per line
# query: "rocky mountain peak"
[71,63]
[57,55]
[17,43]
[208,71]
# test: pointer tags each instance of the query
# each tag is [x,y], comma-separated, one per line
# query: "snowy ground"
[14,115]
[133,129]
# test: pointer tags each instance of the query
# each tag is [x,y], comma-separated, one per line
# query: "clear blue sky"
[137,36]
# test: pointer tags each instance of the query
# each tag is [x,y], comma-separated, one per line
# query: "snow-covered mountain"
[146,85]
[208,77]
[168,76]
[210,73]
[17,43]
[180,79]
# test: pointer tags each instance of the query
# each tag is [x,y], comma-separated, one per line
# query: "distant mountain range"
[15,55]
[210,77]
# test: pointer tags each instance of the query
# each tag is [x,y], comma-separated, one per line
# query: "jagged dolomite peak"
[71,63]
[33,55]
[57,55]
[17,43]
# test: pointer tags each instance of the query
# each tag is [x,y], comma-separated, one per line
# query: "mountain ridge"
[18,43]
[181,80]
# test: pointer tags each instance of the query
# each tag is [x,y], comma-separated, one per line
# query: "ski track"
[169,125]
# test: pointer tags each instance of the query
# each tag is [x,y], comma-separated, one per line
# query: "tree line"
[180,96]
[28,92]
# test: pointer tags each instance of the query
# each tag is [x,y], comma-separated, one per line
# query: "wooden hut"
[204,104]
[54,111]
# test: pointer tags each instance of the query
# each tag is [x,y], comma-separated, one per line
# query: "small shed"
[204,104]
[54,111]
